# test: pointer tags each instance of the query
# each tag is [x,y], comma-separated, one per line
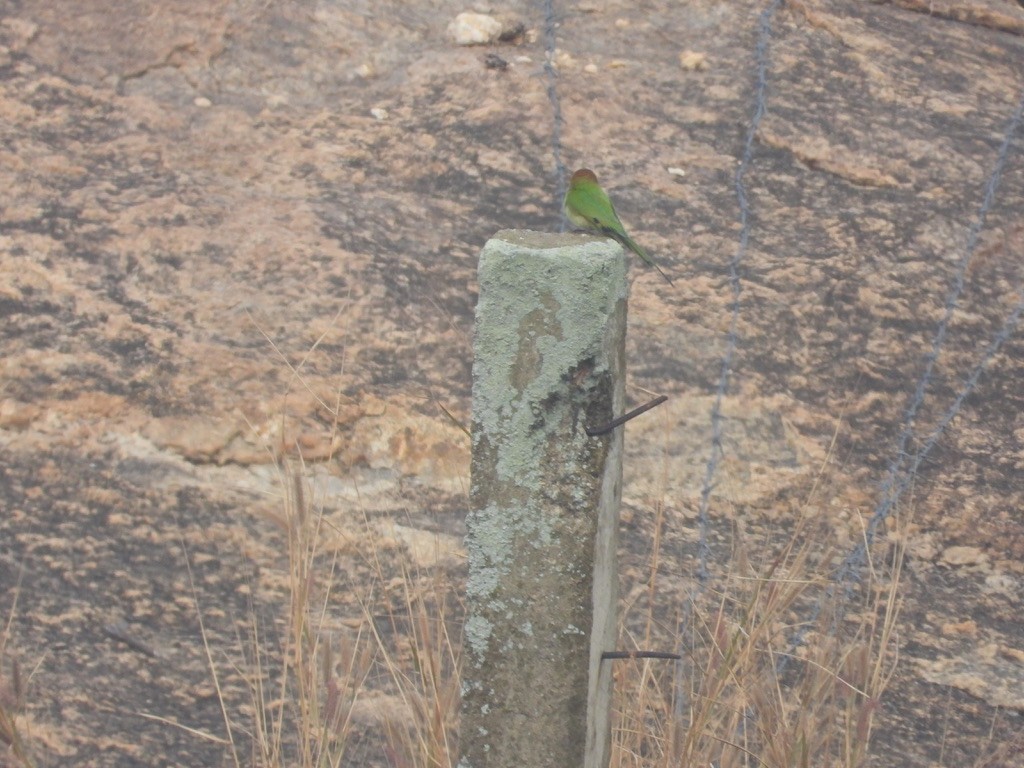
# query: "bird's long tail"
[627,241]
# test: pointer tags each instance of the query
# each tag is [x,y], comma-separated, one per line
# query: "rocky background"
[239,237]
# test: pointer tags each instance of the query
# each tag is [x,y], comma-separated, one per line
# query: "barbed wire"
[732,343]
[732,337]
[970,382]
[904,465]
[897,479]
[557,121]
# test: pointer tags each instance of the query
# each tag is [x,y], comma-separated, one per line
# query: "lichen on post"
[549,360]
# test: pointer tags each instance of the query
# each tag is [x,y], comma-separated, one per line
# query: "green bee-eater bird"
[588,207]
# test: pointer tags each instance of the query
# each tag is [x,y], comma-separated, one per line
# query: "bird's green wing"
[593,204]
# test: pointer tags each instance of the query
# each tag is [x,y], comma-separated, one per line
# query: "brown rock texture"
[239,236]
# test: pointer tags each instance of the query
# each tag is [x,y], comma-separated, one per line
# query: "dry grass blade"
[742,695]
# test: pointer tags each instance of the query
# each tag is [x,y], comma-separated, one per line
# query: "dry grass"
[12,697]
[380,685]
[742,696]
[745,694]
[426,679]
[384,687]
[301,714]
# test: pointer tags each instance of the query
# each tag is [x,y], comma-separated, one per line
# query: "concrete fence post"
[542,532]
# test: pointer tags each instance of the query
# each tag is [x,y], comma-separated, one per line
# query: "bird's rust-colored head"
[582,176]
